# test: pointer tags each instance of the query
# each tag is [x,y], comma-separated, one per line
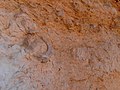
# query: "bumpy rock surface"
[59,45]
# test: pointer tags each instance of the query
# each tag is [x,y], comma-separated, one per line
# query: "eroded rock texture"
[59,45]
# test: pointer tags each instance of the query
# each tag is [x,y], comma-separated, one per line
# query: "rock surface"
[59,45]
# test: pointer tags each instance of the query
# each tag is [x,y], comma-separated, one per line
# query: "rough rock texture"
[59,45]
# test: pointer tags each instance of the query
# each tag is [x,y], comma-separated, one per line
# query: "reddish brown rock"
[59,45]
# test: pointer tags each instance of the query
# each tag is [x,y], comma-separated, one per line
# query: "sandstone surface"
[59,44]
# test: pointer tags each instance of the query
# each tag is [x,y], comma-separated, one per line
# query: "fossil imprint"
[38,47]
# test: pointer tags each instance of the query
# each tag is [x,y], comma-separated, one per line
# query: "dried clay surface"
[59,44]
